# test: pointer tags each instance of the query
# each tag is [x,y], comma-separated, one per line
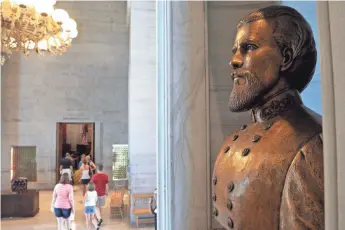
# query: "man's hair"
[64,179]
[290,30]
[100,167]
[91,187]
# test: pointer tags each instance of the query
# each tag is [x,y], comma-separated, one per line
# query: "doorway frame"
[95,142]
[163,76]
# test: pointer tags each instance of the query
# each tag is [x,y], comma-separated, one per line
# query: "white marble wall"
[336,22]
[142,97]
[222,21]
[88,83]
[331,19]
[189,143]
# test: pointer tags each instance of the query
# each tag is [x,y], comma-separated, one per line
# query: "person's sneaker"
[100,222]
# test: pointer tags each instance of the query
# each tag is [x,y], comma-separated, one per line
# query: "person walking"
[90,200]
[66,166]
[91,164]
[101,181]
[62,204]
[86,174]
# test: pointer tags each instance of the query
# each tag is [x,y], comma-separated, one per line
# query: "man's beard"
[246,91]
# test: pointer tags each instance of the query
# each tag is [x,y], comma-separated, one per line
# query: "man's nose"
[236,61]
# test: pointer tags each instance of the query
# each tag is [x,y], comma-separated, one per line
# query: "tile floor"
[45,219]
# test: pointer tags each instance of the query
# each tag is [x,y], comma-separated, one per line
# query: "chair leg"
[137,222]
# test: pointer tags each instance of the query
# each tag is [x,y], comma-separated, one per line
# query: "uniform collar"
[276,106]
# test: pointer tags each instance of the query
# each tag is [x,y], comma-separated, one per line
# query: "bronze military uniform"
[269,175]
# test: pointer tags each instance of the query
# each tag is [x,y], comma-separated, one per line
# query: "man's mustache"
[242,74]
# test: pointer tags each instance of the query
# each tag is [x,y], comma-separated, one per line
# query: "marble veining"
[188,106]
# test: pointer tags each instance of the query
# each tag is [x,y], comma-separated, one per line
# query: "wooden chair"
[116,203]
[126,203]
[141,208]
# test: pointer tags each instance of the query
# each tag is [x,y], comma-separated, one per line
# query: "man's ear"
[287,59]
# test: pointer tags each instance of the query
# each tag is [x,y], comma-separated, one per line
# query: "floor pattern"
[45,219]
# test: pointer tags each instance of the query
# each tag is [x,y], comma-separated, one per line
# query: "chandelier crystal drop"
[34,25]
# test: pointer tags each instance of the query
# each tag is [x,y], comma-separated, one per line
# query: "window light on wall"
[120,162]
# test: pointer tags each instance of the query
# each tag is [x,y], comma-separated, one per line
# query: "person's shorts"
[61,212]
[100,201]
[85,181]
[90,209]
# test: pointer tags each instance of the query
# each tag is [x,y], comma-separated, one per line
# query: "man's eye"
[249,47]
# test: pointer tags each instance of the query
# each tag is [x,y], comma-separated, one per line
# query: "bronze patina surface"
[269,174]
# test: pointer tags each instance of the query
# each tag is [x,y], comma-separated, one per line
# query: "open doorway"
[76,139]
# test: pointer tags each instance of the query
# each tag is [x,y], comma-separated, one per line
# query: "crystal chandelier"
[34,25]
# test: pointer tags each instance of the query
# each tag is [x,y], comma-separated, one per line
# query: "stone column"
[189,117]
[331,20]
[164,73]
[142,97]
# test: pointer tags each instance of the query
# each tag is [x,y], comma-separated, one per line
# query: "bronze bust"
[269,174]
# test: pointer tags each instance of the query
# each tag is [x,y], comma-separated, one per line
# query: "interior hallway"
[45,219]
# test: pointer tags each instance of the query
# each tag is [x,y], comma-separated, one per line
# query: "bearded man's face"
[256,63]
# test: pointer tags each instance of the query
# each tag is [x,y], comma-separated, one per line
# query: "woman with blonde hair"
[86,173]
[90,162]
[63,202]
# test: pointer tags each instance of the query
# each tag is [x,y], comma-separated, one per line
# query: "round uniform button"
[227,148]
[215,212]
[231,187]
[245,152]
[235,137]
[230,223]
[214,197]
[268,126]
[229,205]
[256,138]
[243,127]
[214,180]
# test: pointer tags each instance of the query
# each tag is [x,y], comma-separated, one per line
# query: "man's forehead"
[259,30]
